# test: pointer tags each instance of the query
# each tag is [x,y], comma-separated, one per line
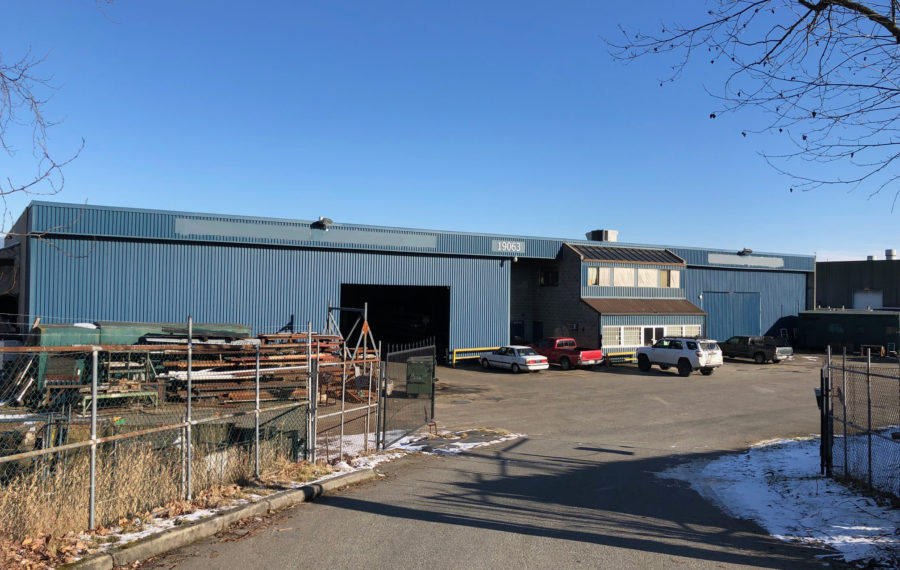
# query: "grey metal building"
[870,284]
[72,263]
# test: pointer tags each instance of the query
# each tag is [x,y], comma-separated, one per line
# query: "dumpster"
[419,376]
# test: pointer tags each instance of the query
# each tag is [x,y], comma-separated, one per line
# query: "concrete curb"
[184,535]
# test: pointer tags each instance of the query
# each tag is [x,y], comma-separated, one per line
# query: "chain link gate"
[860,409]
[407,395]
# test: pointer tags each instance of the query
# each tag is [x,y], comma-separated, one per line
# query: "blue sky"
[495,117]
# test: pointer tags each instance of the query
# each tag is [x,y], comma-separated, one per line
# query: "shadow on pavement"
[607,501]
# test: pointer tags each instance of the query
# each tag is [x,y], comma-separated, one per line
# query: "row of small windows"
[629,277]
[645,336]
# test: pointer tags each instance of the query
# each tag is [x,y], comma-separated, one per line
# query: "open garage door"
[400,314]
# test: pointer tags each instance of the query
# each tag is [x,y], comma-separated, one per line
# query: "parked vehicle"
[516,358]
[686,354]
[760,348]
[566,352]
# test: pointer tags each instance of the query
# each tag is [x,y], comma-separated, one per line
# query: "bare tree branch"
[826,73]
[23,99]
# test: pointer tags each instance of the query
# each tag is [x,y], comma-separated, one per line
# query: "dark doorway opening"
[9,307]
[400,314]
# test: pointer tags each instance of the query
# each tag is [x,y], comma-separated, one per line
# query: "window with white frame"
[670,278]
[631,336]
[674,330]
[692,330]
[623,277]
[598,276]
[648,277]
[612,336]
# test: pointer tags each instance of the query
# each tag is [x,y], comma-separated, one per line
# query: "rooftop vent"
[890,254]
[870,258]
[603,235]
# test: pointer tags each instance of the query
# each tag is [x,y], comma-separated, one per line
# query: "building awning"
[644,307]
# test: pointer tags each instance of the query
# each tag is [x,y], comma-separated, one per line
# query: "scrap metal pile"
[222,367]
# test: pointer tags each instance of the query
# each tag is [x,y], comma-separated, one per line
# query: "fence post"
[92,508]
[828,419]
[343,407]
[823,412]
[256,414]
[313,391]
[844,406]
[379,404]
[187,424]
[869,412]
[365,342]
[384,395]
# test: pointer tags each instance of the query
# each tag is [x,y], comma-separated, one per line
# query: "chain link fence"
[861,421]
[408,397]
[347,409]
[91,435]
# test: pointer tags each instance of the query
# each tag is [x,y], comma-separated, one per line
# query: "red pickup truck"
[566,352]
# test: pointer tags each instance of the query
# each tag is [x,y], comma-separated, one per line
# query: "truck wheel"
[485,364]
[759,358]
[706,371]
[684,367]
[516,369]
[643,362]
[564,362]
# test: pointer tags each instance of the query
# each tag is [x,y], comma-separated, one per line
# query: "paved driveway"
[579,490]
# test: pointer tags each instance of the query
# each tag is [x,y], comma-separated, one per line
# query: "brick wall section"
[524,278]
[558,307]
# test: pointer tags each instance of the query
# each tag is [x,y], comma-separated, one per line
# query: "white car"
[686,354]
[516,358]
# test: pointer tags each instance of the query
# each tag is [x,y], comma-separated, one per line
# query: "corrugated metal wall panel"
[701,257]
[836,281]
[85,280]
[649,320]
[781,294]
[76,219]
[81,220]
[732,314]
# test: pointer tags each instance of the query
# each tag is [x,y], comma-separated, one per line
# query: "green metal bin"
[419,376]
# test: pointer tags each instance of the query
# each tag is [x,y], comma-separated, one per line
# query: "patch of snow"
[779,485]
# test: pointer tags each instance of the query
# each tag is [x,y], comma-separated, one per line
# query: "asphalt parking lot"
[739,404]
[579,489]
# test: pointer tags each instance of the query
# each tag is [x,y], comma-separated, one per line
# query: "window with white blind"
[670,278]
[648,277]
[598,276]
[623,277]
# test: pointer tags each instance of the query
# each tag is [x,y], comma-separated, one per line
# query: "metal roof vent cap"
[870,258]
[890,254]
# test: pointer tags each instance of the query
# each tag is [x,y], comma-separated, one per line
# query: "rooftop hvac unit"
[603,235]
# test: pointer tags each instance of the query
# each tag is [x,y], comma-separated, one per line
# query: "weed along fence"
[860,406]
[91,434]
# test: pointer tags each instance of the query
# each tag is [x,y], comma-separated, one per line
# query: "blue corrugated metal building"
[72,263]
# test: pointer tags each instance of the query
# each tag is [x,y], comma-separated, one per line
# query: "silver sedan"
[515,358]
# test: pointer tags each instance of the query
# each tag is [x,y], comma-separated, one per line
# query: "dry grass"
[51,496]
